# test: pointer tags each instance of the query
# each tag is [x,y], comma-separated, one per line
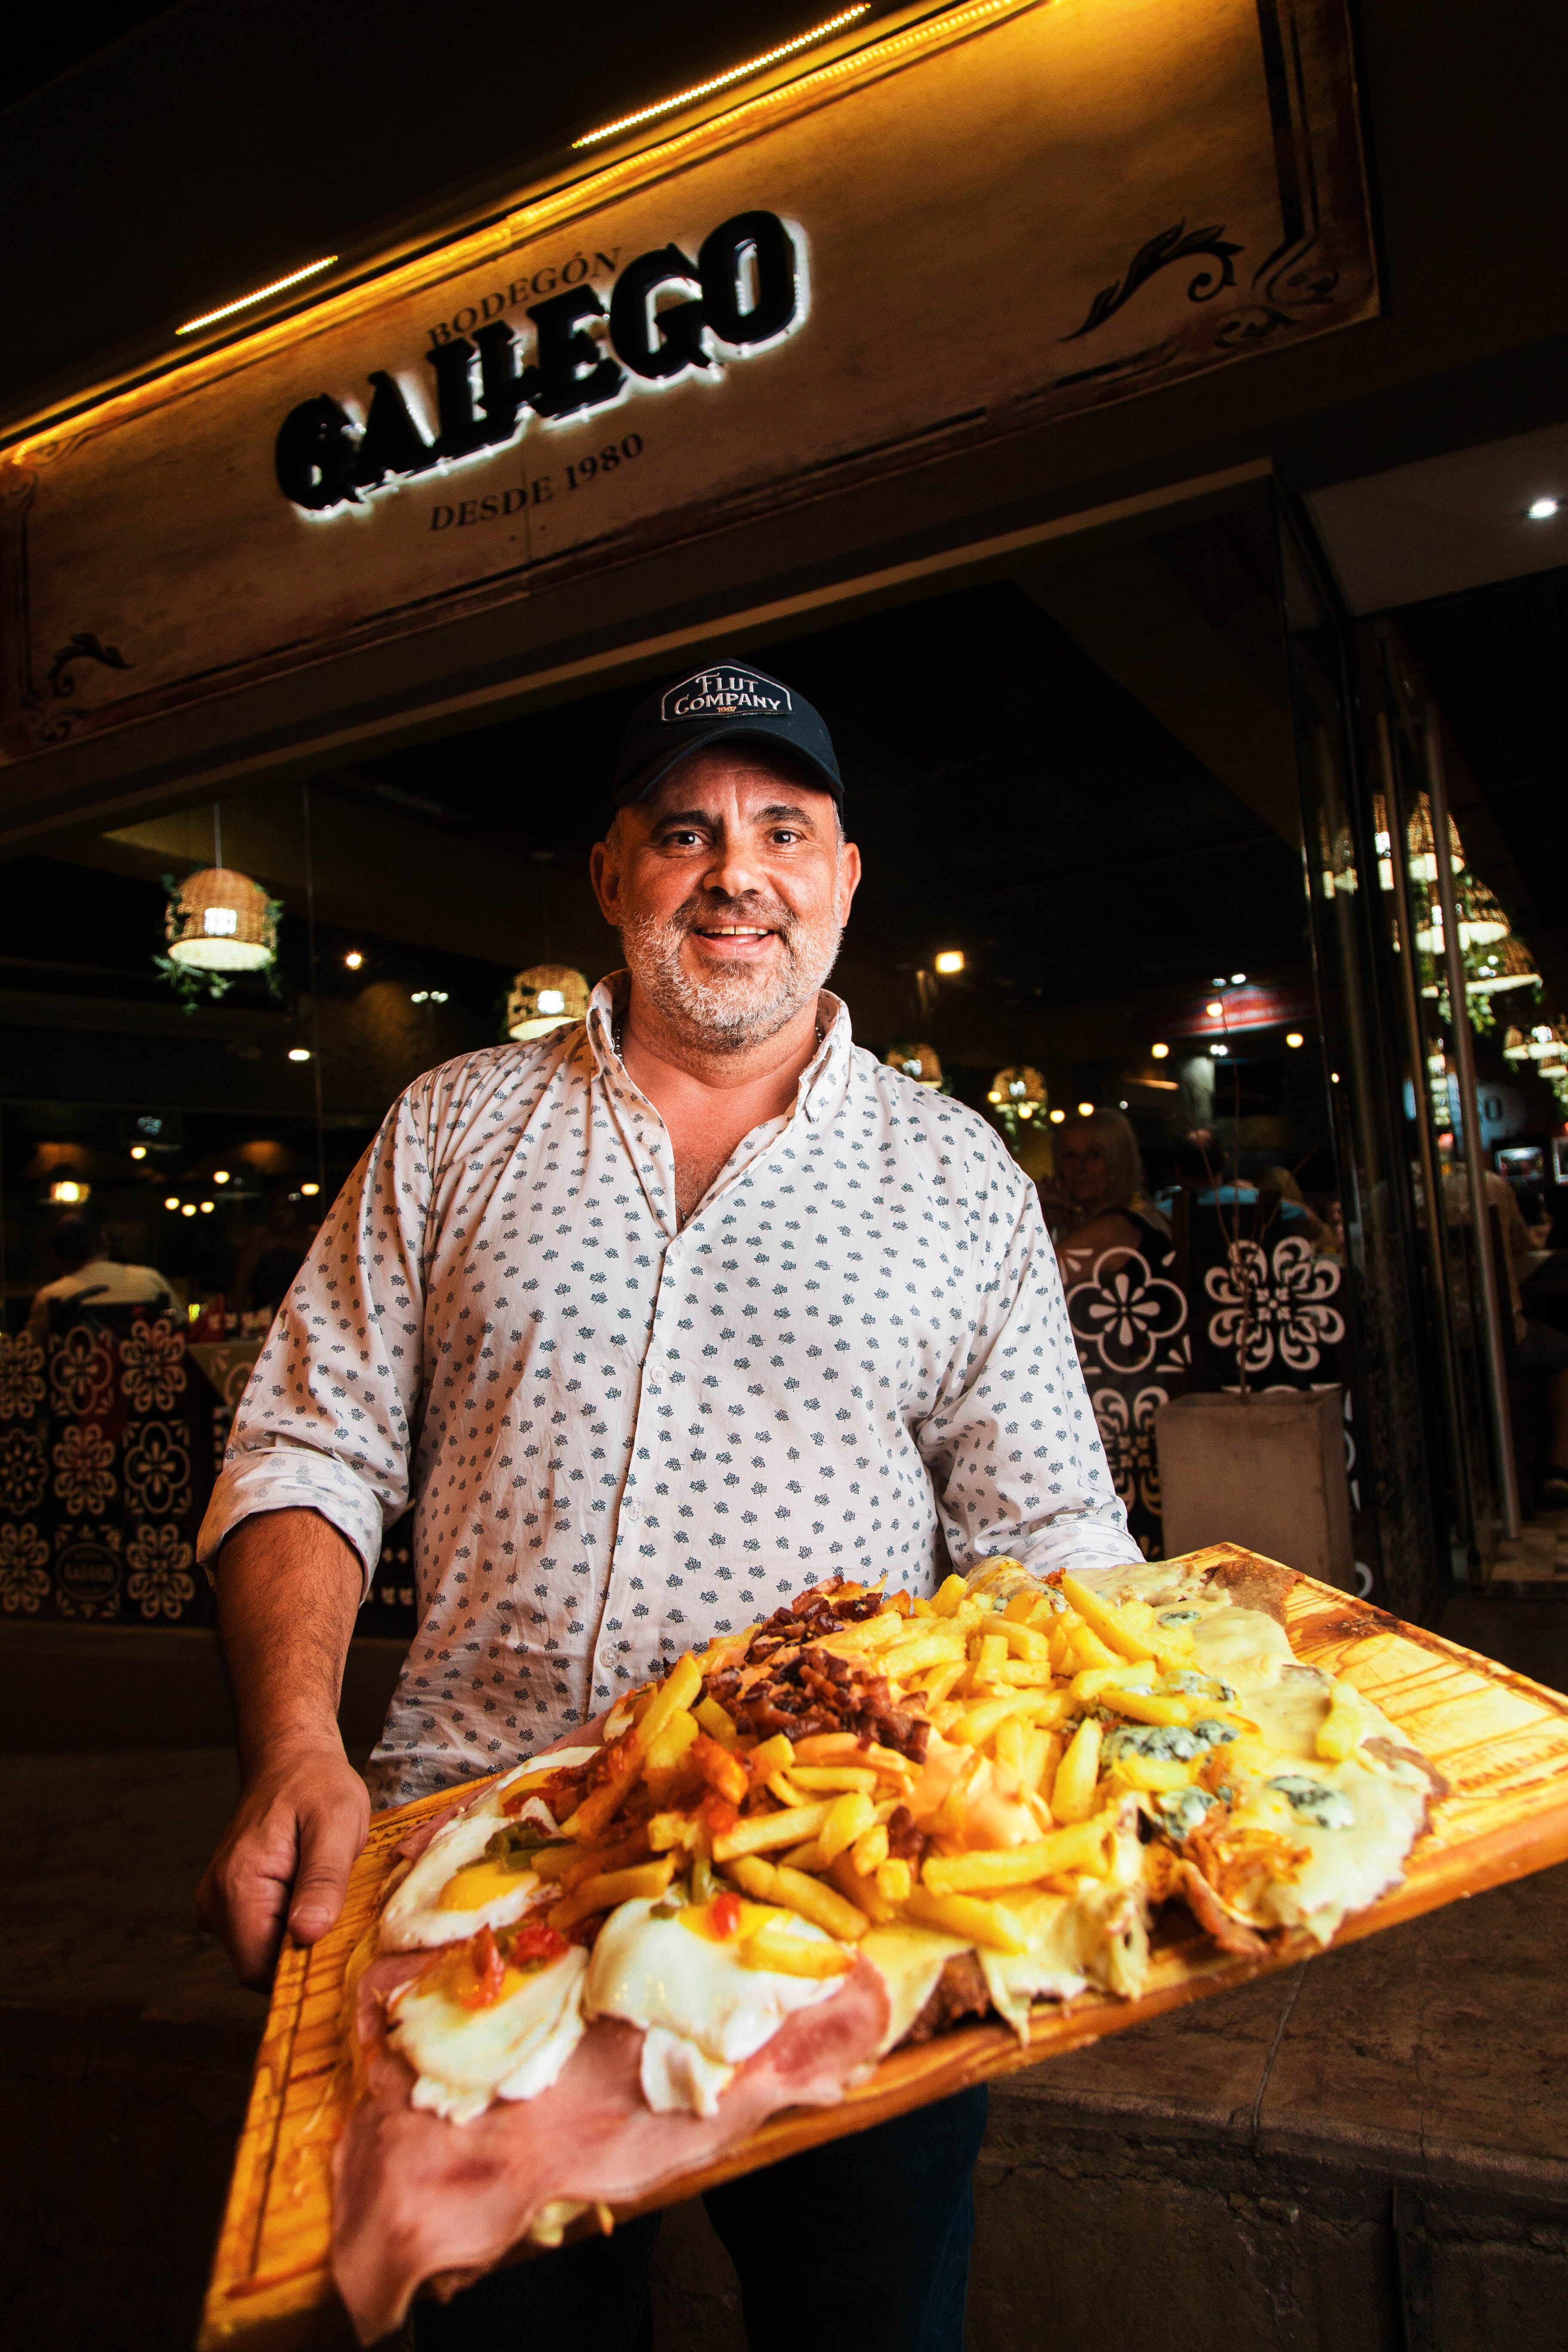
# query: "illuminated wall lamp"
[68,1193]
[1058,1117]
[1158,1052]
[950,959]
[138,1152]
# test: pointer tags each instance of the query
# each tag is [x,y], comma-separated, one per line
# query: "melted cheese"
[908,1960]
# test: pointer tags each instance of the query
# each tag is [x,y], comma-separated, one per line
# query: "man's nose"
[733,871]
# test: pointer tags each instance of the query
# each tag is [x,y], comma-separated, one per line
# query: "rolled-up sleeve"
[1012,1447]
[326,1420]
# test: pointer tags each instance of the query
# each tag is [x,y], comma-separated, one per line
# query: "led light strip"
[722,81]
[211,318]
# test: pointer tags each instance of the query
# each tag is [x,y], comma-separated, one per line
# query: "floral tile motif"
[24,1471]
[105,1466]
[21,1385]
[84,1467]
[160,1560]
[24,1569]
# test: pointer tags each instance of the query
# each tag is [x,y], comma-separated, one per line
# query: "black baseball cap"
[724,701]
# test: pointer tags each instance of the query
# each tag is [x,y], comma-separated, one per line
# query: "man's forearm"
[289,1586]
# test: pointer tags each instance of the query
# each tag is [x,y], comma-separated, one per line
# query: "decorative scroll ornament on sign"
[668,314]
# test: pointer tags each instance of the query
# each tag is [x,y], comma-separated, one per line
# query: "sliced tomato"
[489,1971]
[536,1939]
[724,1911]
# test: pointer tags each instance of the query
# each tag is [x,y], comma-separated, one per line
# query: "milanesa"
[857,1825]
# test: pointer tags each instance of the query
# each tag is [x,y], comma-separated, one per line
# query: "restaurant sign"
[1003,214]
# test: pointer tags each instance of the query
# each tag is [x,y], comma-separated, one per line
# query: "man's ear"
[848,879]
[604,873]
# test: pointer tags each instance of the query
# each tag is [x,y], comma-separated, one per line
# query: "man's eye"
[785,832]
[682,840]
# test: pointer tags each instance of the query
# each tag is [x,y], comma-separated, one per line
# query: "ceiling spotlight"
[950,959]
[1058,1117]
[138,1152]
[188,1208]
[1158,1052]
[1294,1037]
[438,997]
[353,959]
[1237,978]
[207,1207]
[171,1201]
[310,1190]
[299,1053]
[1122,1104]
[1542,510]
[1213,1008]
[1086,1111]
[1222,1050]
[220,1175]
[65,1193]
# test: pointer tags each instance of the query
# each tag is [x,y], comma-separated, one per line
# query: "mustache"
[699,912]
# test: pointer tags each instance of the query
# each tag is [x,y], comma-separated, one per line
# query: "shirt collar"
[821,1082]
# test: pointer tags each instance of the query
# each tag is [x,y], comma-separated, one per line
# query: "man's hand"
[287,1586]
[285,1856]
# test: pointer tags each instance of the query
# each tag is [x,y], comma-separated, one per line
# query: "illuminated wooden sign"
[994,217]
[743,292]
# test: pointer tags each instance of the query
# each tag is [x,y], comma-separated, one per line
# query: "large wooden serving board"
[1500,1740]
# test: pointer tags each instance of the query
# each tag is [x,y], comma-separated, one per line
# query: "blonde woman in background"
[1095,1201]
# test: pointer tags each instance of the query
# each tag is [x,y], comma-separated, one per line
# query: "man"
[667,1315]
[78,1246]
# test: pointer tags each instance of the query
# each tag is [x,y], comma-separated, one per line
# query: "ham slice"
[416,2199]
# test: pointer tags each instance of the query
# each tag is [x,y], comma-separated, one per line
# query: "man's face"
[730,885]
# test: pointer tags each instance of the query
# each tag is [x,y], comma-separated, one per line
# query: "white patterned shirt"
[623,1435]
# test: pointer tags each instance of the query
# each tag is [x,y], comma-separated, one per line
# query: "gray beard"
[738,1009]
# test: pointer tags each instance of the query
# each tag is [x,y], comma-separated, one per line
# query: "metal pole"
[1489,1313]
[1431,1175]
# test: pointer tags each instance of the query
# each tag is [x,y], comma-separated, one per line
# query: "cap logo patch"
[722,694]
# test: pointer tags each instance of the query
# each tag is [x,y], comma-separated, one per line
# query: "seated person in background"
[78,1246]
[1203,1170]
[1281,1180]
[1096,1200]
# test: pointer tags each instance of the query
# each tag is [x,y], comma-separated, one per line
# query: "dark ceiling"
[229,144]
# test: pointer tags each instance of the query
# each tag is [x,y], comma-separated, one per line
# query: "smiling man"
[658,1318]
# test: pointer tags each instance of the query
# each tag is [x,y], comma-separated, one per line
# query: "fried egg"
[512,2049]
[704,2011]
[454,1889]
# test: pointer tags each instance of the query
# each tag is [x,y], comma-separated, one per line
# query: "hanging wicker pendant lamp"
[543,998]
[220,920]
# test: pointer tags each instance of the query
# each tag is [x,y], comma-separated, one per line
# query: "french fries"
[765,1833]
[1072,1791]
[984,1870]
[987,1924]
[794,1890]
[846,1832]
[606,1888]
[773,1947]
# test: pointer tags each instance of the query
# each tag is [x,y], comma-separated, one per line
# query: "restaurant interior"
[1087,913]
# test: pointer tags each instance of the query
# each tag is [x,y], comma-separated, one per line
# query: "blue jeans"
[860,2246]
